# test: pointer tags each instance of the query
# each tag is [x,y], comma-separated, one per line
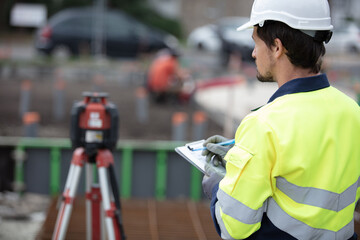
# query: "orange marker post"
[199,125]
[31,123]
[98,82]
[142,105]
[179,126]
[25,97]
[59,98]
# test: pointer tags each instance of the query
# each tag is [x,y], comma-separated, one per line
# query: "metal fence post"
[55,156]
[19,157]
[126,172]
[161,176]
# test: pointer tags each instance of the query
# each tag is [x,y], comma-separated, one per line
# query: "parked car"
[345,40]
[236,42]
[222,37]
[205,38]
[73,30]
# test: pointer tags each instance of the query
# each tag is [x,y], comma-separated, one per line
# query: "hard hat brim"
[247,25]
[295,25]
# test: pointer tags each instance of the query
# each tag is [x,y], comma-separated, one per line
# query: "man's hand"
[213,176]
[216,152]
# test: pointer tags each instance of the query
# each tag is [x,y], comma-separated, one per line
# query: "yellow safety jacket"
[296,160]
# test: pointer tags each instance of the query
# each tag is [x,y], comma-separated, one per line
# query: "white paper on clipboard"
[194,157]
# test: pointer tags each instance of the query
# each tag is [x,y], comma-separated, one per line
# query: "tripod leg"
[103,160]
[88,181]
[93,214]
[93,207]
[117,204]
[71,185]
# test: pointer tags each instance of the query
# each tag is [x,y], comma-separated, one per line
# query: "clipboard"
[193,157]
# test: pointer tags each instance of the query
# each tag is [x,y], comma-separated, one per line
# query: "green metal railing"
[127,148]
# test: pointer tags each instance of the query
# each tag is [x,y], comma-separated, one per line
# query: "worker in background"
[165,77]
[294,171]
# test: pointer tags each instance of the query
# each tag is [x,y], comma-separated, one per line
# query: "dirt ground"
[42,89]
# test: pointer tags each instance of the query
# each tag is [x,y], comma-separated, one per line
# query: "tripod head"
[94,123]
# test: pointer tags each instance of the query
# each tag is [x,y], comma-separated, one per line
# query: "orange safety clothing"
[161,73]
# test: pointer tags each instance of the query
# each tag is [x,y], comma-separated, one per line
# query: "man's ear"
[278,48]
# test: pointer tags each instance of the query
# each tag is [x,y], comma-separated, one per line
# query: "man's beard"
[268,77]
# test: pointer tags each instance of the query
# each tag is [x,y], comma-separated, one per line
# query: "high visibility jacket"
[294,168]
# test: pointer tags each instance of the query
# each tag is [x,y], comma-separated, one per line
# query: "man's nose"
[253,54]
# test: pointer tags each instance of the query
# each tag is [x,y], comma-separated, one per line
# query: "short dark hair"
[302,50]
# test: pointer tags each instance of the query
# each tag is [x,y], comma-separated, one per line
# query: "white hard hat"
[298,14]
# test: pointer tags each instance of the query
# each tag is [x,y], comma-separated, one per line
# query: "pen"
[229,142]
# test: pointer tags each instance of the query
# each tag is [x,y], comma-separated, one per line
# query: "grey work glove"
[213,176]
[216,152]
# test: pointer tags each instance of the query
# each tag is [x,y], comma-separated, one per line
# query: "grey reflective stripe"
[318,197]
[301,230]
[224,233]
[237,210]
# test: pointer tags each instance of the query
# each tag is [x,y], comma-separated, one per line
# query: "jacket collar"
[297,85]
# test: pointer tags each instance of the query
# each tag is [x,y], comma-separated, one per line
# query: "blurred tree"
[57,5]
[4,13]
[141,10]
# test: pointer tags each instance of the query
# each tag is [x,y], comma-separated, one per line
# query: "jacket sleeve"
[242,194]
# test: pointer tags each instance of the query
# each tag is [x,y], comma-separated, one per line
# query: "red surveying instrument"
[94,133]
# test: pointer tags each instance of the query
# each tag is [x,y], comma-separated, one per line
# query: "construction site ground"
[144,219]
[35,216]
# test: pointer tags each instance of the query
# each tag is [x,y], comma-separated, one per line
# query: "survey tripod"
[94,127]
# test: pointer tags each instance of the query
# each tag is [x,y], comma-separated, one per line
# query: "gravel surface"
[21,217]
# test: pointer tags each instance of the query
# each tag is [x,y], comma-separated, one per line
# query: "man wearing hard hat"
[294,171]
